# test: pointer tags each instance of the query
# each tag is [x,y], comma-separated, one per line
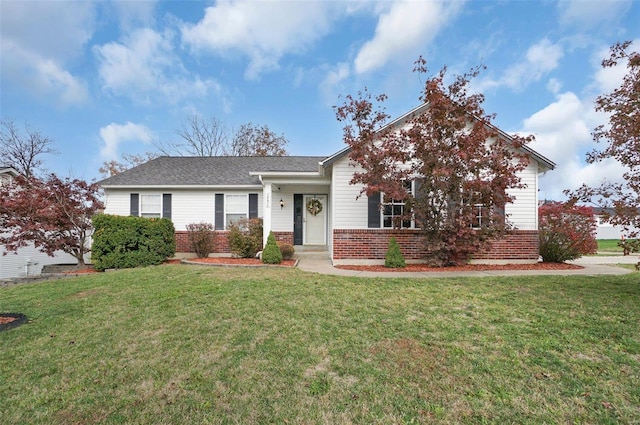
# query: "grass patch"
[185,344]
[609,245]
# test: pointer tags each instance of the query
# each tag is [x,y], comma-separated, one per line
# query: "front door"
[315,220]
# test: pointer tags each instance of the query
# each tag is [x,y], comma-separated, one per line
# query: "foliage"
[23,151]
[629,245]
[186,344]
[252,140]
[124,242]
[287,250]
[54,214]
[271,253]
[211,137]
[466,171]
[619,200]
[394,257]
[245,237]
[566,230]
[201,237]
[113,167]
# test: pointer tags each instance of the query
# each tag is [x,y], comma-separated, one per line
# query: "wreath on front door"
[314,206]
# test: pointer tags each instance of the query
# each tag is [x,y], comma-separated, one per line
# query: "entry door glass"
[315,219]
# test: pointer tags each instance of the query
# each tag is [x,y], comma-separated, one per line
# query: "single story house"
[307,201]
[26,261]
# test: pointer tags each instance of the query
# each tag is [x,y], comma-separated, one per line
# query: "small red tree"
[53,214]
[567,231]
[462,163]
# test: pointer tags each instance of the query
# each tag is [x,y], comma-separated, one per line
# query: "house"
[306,201]
[27,261]
[606,230]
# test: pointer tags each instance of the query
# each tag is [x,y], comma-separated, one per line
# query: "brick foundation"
[220,242]
[359,245]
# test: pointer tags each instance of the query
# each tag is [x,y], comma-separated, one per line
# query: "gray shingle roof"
[209,171]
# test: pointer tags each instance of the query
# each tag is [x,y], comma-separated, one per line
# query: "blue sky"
[106,78]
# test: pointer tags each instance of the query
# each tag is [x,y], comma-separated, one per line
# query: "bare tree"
[23,150]
[200,137]
[113,167]
[253,140]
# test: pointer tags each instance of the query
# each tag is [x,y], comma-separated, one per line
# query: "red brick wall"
[371,244]
[220,242]
[286,237]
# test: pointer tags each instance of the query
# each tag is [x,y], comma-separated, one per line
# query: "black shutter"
[166,205]
[135,205]
[373,209]
[219,211]
[253,205]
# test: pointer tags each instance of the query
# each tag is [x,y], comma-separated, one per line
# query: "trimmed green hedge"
[123,242]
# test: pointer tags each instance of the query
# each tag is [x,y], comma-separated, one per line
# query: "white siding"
[13,265]
[523,211]
[349,213]
[187,206]
[352,214]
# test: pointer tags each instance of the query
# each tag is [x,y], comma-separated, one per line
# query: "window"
[151,206]
[480,217]
[236,208]
[393,210]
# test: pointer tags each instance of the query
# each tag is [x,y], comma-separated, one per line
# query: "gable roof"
[210,171]
[546,163]
[7,169]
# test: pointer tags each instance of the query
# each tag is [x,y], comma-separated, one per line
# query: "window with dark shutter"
[219,211]
[134,205]
[373,211]
[253,205]
[166,205]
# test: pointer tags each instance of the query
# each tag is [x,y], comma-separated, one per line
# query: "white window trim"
[227,211]
[156,214]
[392,203]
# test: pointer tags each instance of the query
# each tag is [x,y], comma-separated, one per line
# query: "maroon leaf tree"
[567,231]
[462,164]
[53,214]
[620,200]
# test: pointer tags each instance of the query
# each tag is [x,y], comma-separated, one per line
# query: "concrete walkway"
[596,265]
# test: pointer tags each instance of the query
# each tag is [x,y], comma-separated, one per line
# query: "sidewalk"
[596,265]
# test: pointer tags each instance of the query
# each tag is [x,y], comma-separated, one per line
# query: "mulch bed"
[228,261]
[465,268]
[11,320]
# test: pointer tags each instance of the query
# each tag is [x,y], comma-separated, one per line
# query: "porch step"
[311,251]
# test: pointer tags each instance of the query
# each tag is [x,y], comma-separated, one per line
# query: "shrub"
[394,258]
[629,245]
[122,242]
[286,250]
[201,238]
[566,231]
[271,253]
[245,237]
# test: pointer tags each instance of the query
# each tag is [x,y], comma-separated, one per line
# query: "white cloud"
[115,134]
[144,67]
[404,27]
[37,39]
[334,77]
[132,13]
[540,59]
[263,31]
[563,134]
[588,14]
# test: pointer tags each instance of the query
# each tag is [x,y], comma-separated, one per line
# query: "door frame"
[324,221]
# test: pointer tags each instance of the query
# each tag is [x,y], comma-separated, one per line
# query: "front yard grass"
[609,245]
[185,344]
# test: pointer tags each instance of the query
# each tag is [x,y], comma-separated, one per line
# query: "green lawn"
[182,344]
[609,245]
